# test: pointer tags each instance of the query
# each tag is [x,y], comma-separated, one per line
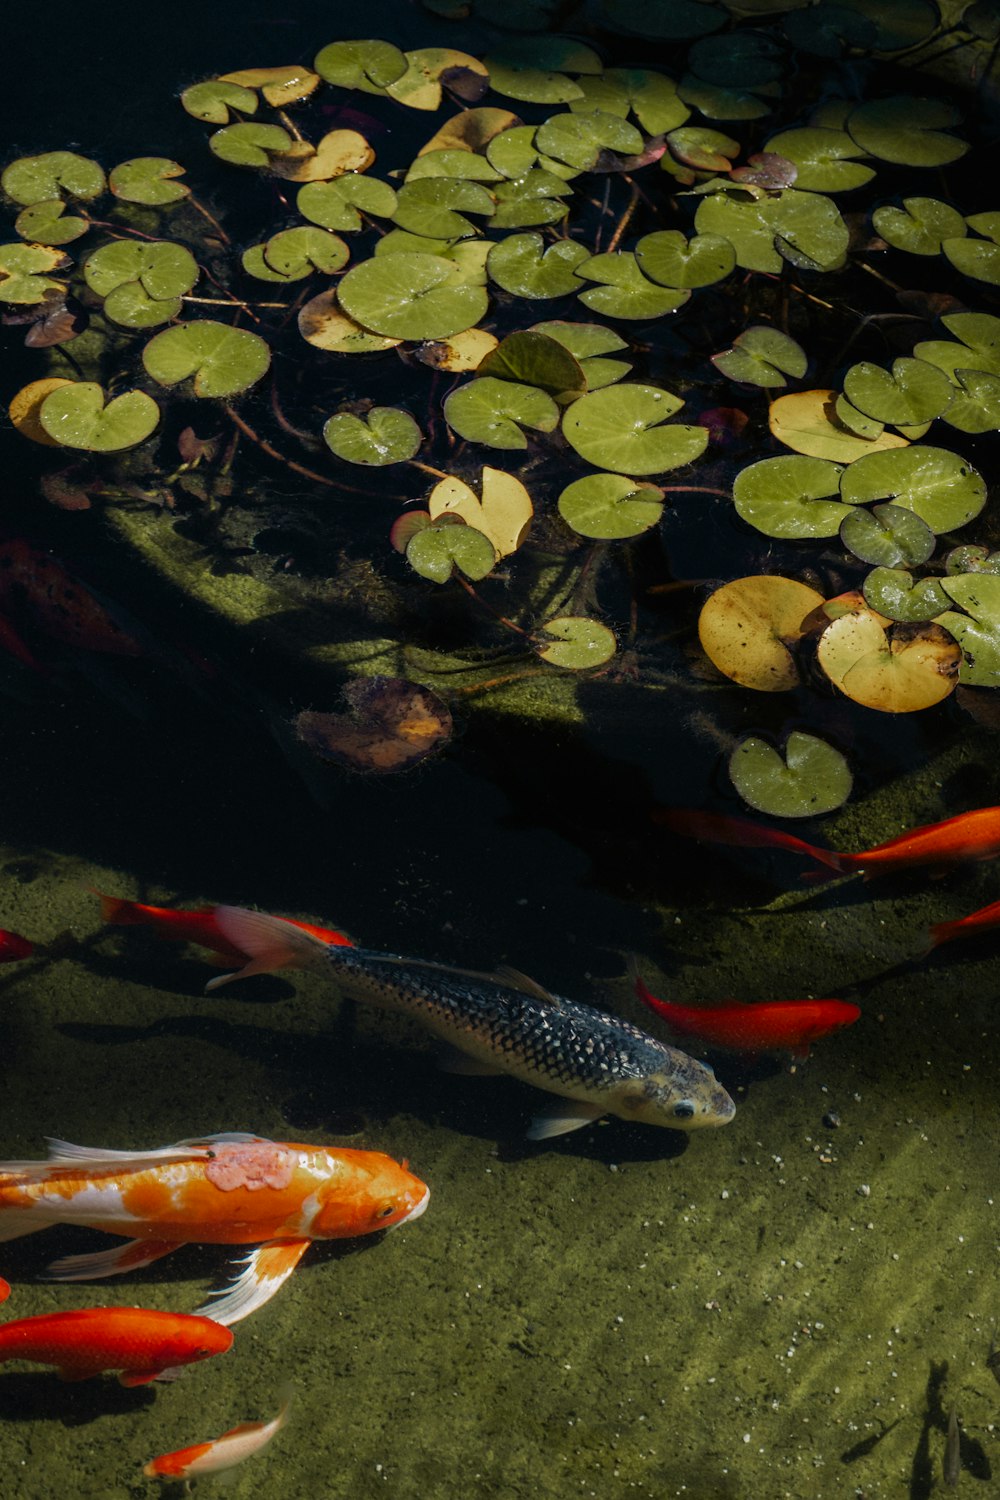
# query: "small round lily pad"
[887,535]
[610,506]
[902,670]
[151,180]
[763,356]
[667,256]
[386,435]
[437,550]
[223,360]
[37,179]
[624,428]
[811,777]
[793,496]
[492,411]
[78,416]
[893,593]
[534,358]
[576,643]
[48,223]
[521,265]
[913,392]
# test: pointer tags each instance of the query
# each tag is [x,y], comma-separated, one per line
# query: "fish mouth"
[415,1211]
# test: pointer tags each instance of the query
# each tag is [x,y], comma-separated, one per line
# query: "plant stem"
[624,221]
[289,463]
[197,204]
[502,619]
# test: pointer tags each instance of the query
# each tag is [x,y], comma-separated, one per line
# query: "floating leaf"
[461,354]
[465,259]
[455,162]
[972,559]
[746,223]
[588,342]
[826,159]
[919,226]
[625,292]
[391,724]
[975,406]
[808,230]
[339,204]
[977,631]
[429,206]
[576,643]
[428,68]
[472,130]
[149,180]
[901,671]
[702,149]
[280,86]
[609,507]
[524,267]
[249,144]
[437,550]
[142,281]
[811,777]
[667,256]
[503,514]
[907,131]
[217,102]
[914,392]
[721,104]
[293,254]
[807,422]
[323,324]
[535,69]
[887,535]
[48,223]
[535,198]
[223,360]
[979,348]
[514,152]
[624,429]
[536,359]
[385,435]
[787,497]
[941,488]
[37,179]
[23,269]
[75,416]
[762,356]
[410,296]
[898,23]
[893,593]
[370,66]
[494,412]
[861,425]
[651,96]
[26,406]
[579,139]
[740,59]
[979,259]
[339,151]
[747,629]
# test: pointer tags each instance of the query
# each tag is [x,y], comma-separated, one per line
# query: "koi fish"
[14,947]
[772,1026]
[4,1289]
[232,1189]
[506,1023]
[969,836]
[141,1344]
[199,926]
[975,923]
[233,1447]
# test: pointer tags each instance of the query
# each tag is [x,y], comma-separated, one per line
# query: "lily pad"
[610,507]
[535,198]
[513,152]
[789,497]
[48,223]
[979,259]
[410,296]
[977,630]
[887,535]
[325,325]
[624,429]
[975,405]
[829,30]
[939,486]
[859,423]
[578,140]
[223,360]
[650,95]
[979,348]
[337,152]
[437,550]
[280,86]
[428,68]
[522,265]
[391,724]
[370,65]
[339,203]
[740,59]
[142,281]
[576,643]
[473,130]
[535,69]
[668,257]
[892,592]
[430,206]
[902,670]
[503,514]
[37,179]
[249,144]
[293,254]
[914,392]
[808,230]
[495,411]
[216,102]
[465,260]
[807,422]
[972,558]
[454,162]
[385,435]
[150,180]
[746,223]
[26,406]
[589,342]
[23,272]
[461,354]
[747,629]
[625,292]
[811,777]
[762,356]
[826,159]
[76,416]
[907,131]
[533,358]
[920,226]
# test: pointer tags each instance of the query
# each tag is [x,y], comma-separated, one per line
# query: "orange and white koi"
[968,836]
[139,1342]
[235,1446]
[232,1189]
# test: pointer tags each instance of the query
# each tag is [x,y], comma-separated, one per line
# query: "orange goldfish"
[969,836]
[233,1447]
[768,1026]
[231,1189]
[983,920]
[142,1344]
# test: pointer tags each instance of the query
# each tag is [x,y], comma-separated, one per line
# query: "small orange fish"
[200,927]
[14,947]
[217,1190]
[142,1344]
[4,1289]
[233,1447]
[768,1026]
[969,836]
[983,920]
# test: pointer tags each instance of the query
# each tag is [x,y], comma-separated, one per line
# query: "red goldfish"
[239,1443]
[14,947]
[143,1345]
[218,1190]
[975,923]
[771,1026]
[970,835]
[200,927]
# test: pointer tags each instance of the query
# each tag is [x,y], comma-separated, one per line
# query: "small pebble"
[832,1120]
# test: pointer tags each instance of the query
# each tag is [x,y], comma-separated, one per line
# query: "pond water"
[787,1307]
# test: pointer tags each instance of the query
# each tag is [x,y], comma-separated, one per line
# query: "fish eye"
[683,1110]
[384,1213]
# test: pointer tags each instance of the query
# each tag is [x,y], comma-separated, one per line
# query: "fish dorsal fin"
[65,1152]
[515,980]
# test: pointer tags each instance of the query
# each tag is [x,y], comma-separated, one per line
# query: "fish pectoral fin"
[515,980]
[452,1060]
[144,1377]
[571,1115]
[264,1270]
[128,1257]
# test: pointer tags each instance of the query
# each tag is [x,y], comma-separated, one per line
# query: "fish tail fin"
[641,988]
[116,910]
[720,828]
[269,943]
[941,932]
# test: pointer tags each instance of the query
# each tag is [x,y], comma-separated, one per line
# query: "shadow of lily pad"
[809,779]
[391,724]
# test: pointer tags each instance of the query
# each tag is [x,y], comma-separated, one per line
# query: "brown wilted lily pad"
[747,629]
[896,670]
[391,724]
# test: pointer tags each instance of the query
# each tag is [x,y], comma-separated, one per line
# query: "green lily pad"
[625,292]
[624,429]
[762,356]
[941,488]
[492,411]
[651,96]
[23,272]
[578,140]
[788,496]
[811,777]
[808,230]
[514,152]
[465,260]
[428,68]
[521,265]
[826,159]
[979,259]
[588,342]
[920,226]
[663,20]
[576,643]
[668,257]
[887,535]
[370,66]
[223,360]
[740,59]
[535,68]
[452,162]
[859,423]
[149,180]
[610,506]
[977,630]
[340,203]
[446,544]
[76,416]
[979,348]
[987,224]
[429,206]
[249,144]
[975,406]
[293,254]
[162,268]
[908,131]
[702,149]
[893,593]
[535,198]
[829,30]
[721,104]
[37,179]
[216,101]
[410,296]
[47,223]
[746,223]
[972,558]
[533,358]
[914,392]
[386,435]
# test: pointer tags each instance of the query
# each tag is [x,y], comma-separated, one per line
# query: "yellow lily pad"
[470,130]
[338,152]
[279,86]
[25,406]
[459,354]
[897,670]
[807,422]
[420,86]
[503,514]
[748,627]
